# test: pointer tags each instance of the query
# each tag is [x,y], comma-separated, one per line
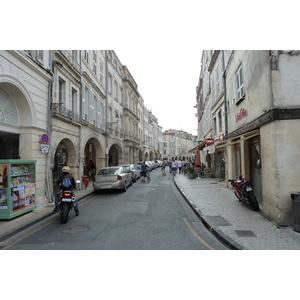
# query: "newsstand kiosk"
[17,187]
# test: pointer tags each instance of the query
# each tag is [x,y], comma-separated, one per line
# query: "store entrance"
[9,145]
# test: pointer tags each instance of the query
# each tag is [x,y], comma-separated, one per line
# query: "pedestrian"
[170,165]
[66,173]
[163,168]
[91,167]
[144,170]
[174,167]
[179,164]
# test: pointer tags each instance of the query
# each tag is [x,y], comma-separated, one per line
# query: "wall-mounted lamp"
[117,117]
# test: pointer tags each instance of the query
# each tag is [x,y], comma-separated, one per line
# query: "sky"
[167,80]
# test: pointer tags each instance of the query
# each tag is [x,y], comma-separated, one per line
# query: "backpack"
[66,182]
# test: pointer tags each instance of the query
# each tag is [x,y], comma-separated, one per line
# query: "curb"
[216,231]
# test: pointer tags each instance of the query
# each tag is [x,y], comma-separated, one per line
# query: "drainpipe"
[225,94]
[80,169]
[49,123]
[106,109]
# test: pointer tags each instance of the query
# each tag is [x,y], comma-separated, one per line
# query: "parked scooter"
[244,192]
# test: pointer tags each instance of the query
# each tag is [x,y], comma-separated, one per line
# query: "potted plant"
[191,172]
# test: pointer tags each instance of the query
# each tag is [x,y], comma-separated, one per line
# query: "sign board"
[45,148]
[45,139]
[209,141]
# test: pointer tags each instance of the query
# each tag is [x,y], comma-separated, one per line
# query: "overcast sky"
[167,80]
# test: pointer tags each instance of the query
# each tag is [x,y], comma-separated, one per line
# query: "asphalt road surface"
[149,216]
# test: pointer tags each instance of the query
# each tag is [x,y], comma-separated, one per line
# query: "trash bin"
[295,197]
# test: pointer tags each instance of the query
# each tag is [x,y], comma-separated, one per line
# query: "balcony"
[58,109]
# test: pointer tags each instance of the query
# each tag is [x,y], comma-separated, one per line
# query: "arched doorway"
[93,152]
[64,154]
[9,137]
[114,155]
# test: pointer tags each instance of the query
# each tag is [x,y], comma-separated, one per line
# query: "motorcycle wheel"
[64,212]
[253,201]
[238,195]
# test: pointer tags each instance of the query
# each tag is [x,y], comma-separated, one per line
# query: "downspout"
[80,169]
[106,109]
[49,189]
[225,94]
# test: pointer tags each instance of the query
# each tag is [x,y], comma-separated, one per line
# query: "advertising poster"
[18,197]
[29,194]
[3,176]
[3,198]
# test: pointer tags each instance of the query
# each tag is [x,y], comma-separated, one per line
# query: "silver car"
[134,171]
[112,178]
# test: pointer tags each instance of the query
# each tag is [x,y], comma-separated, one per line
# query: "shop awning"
[200,146]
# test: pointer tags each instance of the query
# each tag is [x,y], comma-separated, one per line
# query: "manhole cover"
[75,229]
[245,233]
[217,221]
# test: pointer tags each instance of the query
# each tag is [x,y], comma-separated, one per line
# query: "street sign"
[45,148]
[45,139]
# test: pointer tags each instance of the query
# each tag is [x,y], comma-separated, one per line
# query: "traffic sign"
[45,139]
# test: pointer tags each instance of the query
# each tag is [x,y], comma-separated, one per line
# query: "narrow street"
[149,216]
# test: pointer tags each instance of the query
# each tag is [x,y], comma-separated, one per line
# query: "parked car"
[150,164]
[133,170]
[111,178]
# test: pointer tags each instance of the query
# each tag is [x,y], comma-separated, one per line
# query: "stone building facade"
[88,104]
[248,103]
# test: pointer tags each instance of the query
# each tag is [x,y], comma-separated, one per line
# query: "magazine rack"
[17,187]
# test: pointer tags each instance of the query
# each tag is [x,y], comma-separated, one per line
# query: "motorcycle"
[65,205]
[244,192]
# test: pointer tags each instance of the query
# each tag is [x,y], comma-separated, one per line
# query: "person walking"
[179,164]
[163,168]
[174,167]
[170,165]
[144,170]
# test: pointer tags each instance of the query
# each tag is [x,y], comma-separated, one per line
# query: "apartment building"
[248,122]
[86,102]
[177,144]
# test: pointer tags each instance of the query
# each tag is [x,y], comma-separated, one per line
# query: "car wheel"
[124,188]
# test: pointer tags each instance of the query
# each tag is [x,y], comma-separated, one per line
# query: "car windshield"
[108,171]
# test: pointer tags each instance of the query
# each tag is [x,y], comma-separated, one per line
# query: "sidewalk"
[238,226]
[13,226]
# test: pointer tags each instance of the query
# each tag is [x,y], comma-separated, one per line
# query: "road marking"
[23,237]
[189,225]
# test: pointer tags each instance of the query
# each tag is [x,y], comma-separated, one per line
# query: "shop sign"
[221,137]
[209,141]
[240,115]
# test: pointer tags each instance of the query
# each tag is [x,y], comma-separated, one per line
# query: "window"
[116,90]
[86,55]
[101,71]
[220,120]
[95,62]
[109,83]
[74,101]
[61,91]
[239,84]
[217,81]
[121,96]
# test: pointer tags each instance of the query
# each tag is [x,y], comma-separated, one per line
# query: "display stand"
[17,187]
